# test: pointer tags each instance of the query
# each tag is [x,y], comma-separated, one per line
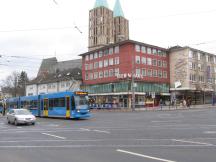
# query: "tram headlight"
[78,111]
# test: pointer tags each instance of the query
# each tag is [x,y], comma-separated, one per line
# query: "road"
[160,136]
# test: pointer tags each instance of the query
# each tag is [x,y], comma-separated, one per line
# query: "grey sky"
[37,29]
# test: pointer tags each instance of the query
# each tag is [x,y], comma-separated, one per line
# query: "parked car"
[20,116]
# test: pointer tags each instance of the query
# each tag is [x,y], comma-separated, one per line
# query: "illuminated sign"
[81,93]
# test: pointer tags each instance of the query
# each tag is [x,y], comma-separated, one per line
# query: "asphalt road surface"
[161,136]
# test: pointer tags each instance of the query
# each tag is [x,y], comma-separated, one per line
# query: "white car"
[20,116]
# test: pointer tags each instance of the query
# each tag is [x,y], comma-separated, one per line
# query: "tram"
[62,104]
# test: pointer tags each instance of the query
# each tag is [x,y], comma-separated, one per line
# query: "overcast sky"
[31,30]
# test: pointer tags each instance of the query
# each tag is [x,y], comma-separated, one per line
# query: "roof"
[65,75]
[117,11]
[101,3]
[51,65]
[179,48]
[122,43]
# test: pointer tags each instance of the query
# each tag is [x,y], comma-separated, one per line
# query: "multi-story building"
[114,73]
[195,71]
[106,26]
[56,82]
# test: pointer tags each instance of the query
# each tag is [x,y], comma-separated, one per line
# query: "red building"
[117,73]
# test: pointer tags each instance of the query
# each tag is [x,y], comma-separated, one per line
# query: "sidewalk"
[178,107]
[157,108]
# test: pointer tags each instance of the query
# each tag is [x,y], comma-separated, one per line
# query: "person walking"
[161,104]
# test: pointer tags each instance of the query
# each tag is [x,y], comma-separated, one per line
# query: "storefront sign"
[128,75]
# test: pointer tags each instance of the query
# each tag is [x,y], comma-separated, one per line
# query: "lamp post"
[132,86]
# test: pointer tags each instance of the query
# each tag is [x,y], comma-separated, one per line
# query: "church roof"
[118,9]
[101,3]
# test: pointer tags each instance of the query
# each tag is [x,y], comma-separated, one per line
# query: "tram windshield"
[81,102]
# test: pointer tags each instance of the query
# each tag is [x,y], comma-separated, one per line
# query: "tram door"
[67,107]
[45,110]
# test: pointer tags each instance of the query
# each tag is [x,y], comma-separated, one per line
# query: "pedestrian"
[188,102]
[184,103]
[161,103]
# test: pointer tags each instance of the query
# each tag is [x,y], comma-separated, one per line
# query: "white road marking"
[145,156]
[100,131]
[84,129]
[168,121]
[210,132]
[53,135]
[192,142]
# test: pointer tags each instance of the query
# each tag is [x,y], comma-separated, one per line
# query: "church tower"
[121,24]
[101,25]
[106,26]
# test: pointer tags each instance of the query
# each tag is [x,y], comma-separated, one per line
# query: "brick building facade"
[108,73]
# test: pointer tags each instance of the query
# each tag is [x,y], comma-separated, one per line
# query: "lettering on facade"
[128,75]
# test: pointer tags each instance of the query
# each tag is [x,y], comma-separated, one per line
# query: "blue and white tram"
[62,104]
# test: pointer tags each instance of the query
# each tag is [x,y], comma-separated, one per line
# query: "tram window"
[57,102]
[72,103]
[51,102]
[61,102]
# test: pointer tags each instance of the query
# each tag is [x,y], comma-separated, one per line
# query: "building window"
[143,72]
[143,49]
[86,76]
[96,64]
[149,50]
[101,54]
[105,63]
[116,49]
[199,67]
[137,48]
[193,77]
[95,55]
[91,56]
[111,61]
[87,57]
[100,64]
[154,62]
[159,63]
[149,61]
[138,71]
[190,54]
[154,51]
[164,64]
[86,66]
[101,74]
[160,74]
[110,51]
[143,60]
[106,73]
[192,65]
[90,66]
[106,52]
[116,60]
[164,54]
[164,74]
[199,56]
[90,76]
[116,72]
[95,75]
[149,72]
[201,78]
[111,73]
[138,59]
[154,73]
